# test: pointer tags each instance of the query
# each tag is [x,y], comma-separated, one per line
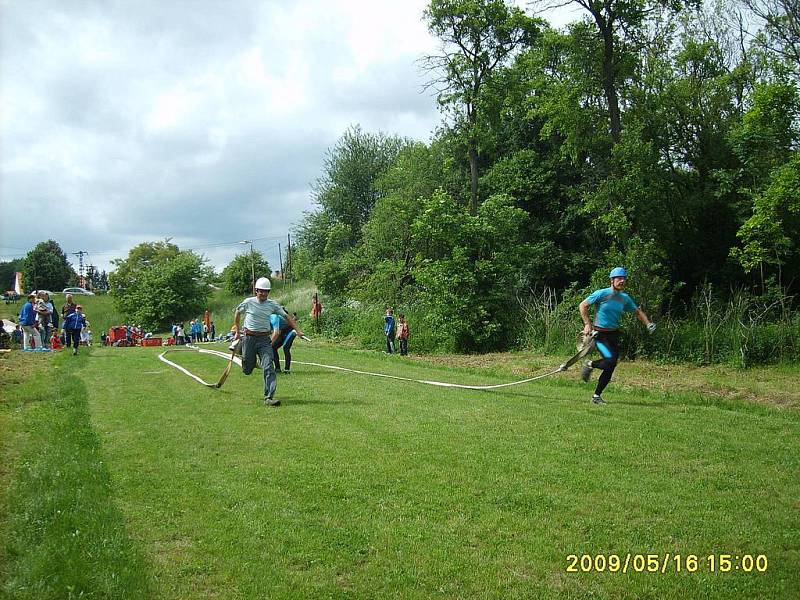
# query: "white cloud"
[202,120]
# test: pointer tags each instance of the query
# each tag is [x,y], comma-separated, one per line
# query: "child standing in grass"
[389,329]
[402,335]
[72,325]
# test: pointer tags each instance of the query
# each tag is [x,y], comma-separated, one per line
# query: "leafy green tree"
[466,269]
[348,189]
[159,284]
[770,236]
[238,274]
[8,271]
[478,37]
[780,34]
[46,268]
[103,281]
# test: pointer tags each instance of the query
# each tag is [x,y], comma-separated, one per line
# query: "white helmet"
[262,283]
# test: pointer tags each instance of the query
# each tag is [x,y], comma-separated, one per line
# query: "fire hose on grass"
[585,345]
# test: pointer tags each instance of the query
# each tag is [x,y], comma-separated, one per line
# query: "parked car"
[77,291]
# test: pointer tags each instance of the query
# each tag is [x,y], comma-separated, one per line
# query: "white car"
[77,291]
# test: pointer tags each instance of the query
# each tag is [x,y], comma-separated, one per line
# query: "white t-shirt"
[257,314]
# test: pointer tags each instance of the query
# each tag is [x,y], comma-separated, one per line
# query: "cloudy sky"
[205,121]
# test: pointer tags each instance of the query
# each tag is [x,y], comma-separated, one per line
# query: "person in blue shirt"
[610,303]
[27,319]
[388,330]
[283,336]
[72,325]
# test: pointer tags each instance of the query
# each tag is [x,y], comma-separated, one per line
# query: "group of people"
[199,331]
[395,331]
[39,321]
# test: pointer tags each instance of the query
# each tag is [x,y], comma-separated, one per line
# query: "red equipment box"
[117,333]
[151,342]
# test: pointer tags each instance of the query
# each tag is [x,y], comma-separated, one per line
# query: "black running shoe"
[598,399]
[586,371]
[271,402]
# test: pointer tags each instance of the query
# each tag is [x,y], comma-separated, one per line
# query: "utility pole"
[81,279]
[289,256]
[90,274]
[280,260]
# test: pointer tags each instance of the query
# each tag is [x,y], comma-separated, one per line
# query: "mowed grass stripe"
[366,487]
[64,535]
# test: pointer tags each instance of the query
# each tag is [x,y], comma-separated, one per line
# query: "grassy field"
[123,478]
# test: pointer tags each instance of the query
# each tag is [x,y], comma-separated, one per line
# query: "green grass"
[371,488]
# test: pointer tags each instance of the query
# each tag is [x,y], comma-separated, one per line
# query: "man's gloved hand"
[651,327]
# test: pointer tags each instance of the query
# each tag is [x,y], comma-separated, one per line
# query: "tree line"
[662,136]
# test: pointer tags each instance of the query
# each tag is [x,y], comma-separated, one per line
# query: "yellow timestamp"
[667,563]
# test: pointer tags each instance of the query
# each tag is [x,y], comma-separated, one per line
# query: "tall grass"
[742,330]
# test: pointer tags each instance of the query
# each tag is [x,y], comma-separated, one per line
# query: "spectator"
[72,326]
[69,306]
[316,311]
[389,329]
[53,314]
[27,319]
[402,335]
[43,316]
[55,341]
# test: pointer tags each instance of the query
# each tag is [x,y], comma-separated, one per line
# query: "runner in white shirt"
[255,336]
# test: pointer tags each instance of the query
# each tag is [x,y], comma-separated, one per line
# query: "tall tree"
[347,189]
[159,284]
[477,36]
[8,272]
[46,268]
[780,35]
[238,274]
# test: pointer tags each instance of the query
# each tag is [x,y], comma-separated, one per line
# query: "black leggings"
[73,338]
[607,343]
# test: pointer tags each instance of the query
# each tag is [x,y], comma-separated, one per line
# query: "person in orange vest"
[316,311]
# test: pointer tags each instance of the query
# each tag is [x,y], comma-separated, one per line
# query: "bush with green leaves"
[238,275]
[158,284]
[466,269]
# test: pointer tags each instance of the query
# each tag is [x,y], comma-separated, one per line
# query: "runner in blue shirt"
[610,303]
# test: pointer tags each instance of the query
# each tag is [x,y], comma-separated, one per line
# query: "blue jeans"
[260,346]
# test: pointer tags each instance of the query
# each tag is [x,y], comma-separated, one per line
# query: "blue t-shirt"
[28,316]
[388,325]
[610,306]
[278,322]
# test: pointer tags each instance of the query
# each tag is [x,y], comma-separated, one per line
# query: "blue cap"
[617,272]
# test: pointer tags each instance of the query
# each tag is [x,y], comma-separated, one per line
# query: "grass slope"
[366,487]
